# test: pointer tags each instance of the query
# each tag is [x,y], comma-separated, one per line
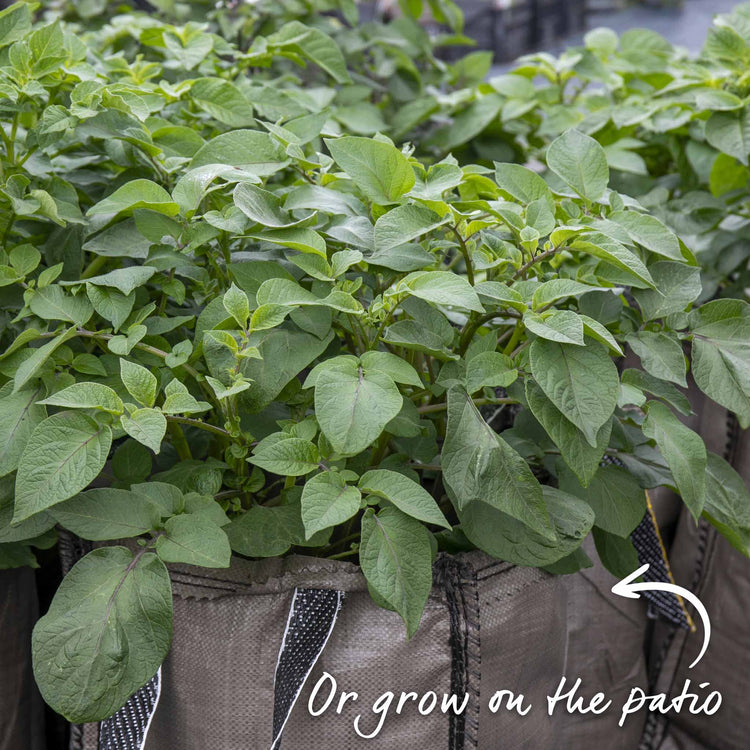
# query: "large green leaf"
[353,405]
[20,413]
[106,633]
[506,538]
[406,494]
[223,101]
[327,501]
[251,150]
[396,559]
[582,382]
[728,503]
[64,454]
[105,513]
[194,540]
[480,467]
[721,363]
[661,355]
[576,451]
[404,224]
[730,132]
[684,452]
[378,169]
[581,162]
[615,497]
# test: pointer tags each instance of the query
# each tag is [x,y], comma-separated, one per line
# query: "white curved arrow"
[628,588]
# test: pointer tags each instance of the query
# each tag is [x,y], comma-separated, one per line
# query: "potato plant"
[228,329]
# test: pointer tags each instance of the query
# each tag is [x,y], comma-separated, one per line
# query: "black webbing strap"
[312,616]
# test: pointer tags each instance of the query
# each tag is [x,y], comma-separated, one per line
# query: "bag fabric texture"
[21,710]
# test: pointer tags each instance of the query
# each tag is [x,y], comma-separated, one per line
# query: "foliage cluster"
[241,312]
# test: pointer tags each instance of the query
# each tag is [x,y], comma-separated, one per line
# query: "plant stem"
[536,259]
[200,425]
[435,408]
[178,439]
[465,253]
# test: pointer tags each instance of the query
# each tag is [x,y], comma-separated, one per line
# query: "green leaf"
[139,381]
[147,426]
[353,406]
[104,513]
[480,467]
[440,288]
[53,303]
[721,363]
[610,251]
[328,501]
[677,285]
[549,292]
[192,540]
[251,150]
[522,184]
[684,452]
[661,355]
[125,280]
[237,305]
[615,497]
[564,326]
[20,413]
[489,369]
[396,559]
[223,101]
[394,367]
[506,538]
[131,462]
[263,207]
[404,224]
[269,532]
[406,494]
[15,23]
[167,497]
[133,195]
[106,633]
[618,555]
[581,457]
[649,232]
[728,503]
[292,457]
[111,304]
[316,46]
[32,364]
[582,382]
[64,454]
[86,396]
[378,169]
[581,162]
[730,132]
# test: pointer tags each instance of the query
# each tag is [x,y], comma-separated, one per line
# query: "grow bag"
[488,626]
[21,712]
[703,561]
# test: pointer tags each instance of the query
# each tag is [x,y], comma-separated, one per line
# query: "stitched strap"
[312,617]
[459,582]
[648,544]
[128,728]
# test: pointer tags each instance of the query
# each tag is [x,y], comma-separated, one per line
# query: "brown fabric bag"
[488,626]
[704,562]
[21,712]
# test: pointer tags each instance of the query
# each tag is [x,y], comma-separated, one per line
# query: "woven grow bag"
[704,562]
[488,626]
[21,711]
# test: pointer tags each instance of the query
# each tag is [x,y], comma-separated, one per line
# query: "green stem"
[171,419]
[517,332]
[536,259]
[466,255]
[178,439]
[93,268]
[436,408]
